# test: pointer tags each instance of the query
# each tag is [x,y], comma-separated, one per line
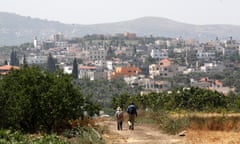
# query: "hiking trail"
[142,134]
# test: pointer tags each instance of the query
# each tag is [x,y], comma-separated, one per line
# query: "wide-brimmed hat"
[119,109]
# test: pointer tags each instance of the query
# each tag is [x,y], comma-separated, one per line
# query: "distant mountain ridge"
[15,29]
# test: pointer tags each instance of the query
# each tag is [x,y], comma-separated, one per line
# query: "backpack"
[119,115]
[131,110]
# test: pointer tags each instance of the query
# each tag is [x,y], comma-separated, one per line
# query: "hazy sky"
[101,11]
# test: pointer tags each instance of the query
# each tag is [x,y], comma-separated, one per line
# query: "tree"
[51,64]
[24,61]
[14,59]
[32,99]
[75,69]
[5,62]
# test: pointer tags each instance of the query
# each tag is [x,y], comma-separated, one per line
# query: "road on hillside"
[142,134]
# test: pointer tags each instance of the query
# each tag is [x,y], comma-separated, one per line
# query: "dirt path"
[142,134]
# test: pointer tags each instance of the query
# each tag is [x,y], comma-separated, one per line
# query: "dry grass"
[208,128]
[215,123]
[213,129]
[211,137]
[86,121]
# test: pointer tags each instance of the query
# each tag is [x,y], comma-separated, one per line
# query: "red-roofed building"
[6,68]
[165,62]
[126,71]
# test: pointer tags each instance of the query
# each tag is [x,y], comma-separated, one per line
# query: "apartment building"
[36,59]
[157,53]
[207,55]
[97,54]
[92,72]
[163,69]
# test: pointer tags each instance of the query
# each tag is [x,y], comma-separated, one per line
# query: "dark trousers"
[132,120]
[119,125]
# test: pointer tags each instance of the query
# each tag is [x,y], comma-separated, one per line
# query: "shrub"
[16,137]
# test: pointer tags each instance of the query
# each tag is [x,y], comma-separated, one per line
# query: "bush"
[16,137]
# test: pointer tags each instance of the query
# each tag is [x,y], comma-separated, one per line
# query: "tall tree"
[14,59]
[5,62]
[75,69]
[51,64]
[24,61]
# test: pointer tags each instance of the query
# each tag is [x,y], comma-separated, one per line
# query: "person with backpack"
[119,117]
[132,113]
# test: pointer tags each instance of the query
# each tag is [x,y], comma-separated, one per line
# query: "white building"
[67,69]
[212,67]
[109,65]
[205,55]
[159,53]
[35,59]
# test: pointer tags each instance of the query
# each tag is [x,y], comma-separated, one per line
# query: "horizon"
[200,12]
[115,21]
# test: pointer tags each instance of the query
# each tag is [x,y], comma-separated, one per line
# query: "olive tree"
[33,99]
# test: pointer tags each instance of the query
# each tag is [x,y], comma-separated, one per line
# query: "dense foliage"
[32,100]
[188,99]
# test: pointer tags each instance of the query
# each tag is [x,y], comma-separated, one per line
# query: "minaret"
[35,42]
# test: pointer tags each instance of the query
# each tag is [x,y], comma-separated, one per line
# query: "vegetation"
[188,99]
[14,59]
[83,135]
[51,62]
[16,137]
[176,111]
[34,100]
[75,69]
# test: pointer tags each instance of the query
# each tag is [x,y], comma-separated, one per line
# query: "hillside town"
[153,63]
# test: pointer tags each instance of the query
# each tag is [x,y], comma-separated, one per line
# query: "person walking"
[132,113]
[119,117]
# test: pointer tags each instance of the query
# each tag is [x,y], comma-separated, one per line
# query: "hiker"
[132,112]
[119,117]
